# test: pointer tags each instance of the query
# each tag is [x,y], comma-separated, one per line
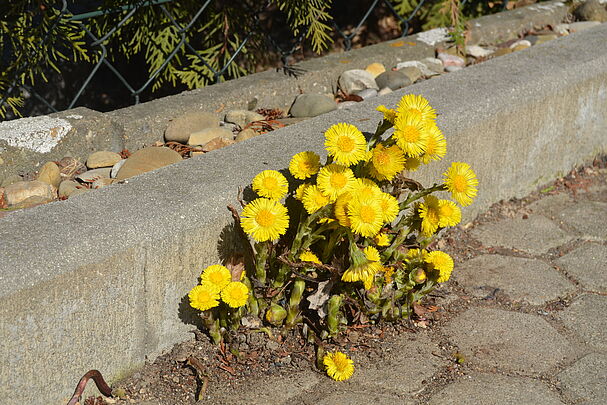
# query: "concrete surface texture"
[97,281]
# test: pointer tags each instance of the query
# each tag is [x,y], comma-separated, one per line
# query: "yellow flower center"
[459,183]
[341,363]
[446,210]
[410,133]
[305,166]
[320,199]
[216,278]
[367,214]
[431,146]
[339,180]
[345,143]
[265,218]
[236,294]
[382,159]
[270,183]
[204,296]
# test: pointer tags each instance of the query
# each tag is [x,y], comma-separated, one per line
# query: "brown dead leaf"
[236,266]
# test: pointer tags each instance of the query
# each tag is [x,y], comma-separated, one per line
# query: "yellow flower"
[389,207]
[368,282]
[436,148]
[388,273]
[264,219]
[345,143]
[270,184]
[442,262]
[308,256]
[334,180]
[365,188]
[341,209]
[235,294]
[314,199]
[412,164]
[386,162]
[339,366]
[429,213]
[416,106]
[449,214]
[367,267]
[366,216]
[416,254]
[204,296]
[461,182]
[304,165]
[411,134]
[382,239]
[300,191]
[389,113]
[217,275]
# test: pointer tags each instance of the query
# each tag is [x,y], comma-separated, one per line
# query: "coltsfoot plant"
[346,241]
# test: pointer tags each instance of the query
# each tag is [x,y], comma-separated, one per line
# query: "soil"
[197,368]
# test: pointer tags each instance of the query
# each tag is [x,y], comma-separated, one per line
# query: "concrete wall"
[98,281]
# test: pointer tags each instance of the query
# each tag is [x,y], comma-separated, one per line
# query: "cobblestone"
[586,317]
[587,264]
[585,380]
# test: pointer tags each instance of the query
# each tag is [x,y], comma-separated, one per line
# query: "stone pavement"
[532,328]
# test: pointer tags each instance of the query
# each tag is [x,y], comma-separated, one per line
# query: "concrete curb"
[97,281]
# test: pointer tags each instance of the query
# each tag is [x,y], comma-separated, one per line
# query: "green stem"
[296,295]
[252,301]
[333,314]
[414,197]
[212,324]
[261,249]
[330,245]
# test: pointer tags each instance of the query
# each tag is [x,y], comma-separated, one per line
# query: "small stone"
[477,51]
[67,187]
[311,105]
[545,38]
[196,153]
[375,69]
[92,175]
[102,158]
[207,135]
[384,91]
[1,161]
[217,143]
[451,60]
[22,190]
[246,134]
[102,182]
[502,51]
[79,191]
[366,93]
[451,69]
[426,71]
[272,345]
[434,64]
[12,179]
[32,202]
[561,29]
[229,126]
[412,73]
[116,168]
[147,159]
[393,79]
[180,128]
[354,80]
[242,117]
[346,104]
[582,25]
[50,174]
[521,44]
[591,10]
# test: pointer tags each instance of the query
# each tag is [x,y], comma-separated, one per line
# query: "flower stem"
[294,301]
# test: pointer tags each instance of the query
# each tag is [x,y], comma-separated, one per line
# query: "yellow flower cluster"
[215,284]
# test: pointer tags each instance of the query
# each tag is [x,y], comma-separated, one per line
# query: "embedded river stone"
[147,159]
[311,105]
[22,190]
[102,158]
[180,128]
[50,174]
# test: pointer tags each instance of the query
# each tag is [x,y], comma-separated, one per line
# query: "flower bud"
[276,314]
[419,276]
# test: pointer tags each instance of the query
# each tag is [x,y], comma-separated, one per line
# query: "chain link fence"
[38,102]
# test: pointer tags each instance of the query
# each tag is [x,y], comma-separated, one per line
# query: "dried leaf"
[320,298]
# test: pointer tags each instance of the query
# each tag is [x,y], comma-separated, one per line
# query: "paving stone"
[535,235]
[587,265]
[279,389]
[585,379]
[522,280]
[351,397]
[588,218]
[551,206]
[510,341]
[586,317]
[395,372]
[596,192]
[495,389]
